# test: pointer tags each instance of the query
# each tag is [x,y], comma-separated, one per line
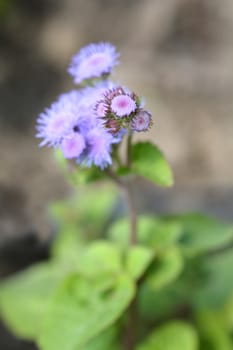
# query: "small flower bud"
[142,121]
[113,126]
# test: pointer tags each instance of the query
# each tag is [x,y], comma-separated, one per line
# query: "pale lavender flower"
[93,61]
[73,145]
[99,148]
[123,105]
[142,121]
[59,120]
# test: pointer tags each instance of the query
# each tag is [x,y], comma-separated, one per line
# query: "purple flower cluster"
[72,125]
[86,122]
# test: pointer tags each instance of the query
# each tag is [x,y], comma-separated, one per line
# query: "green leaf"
[24,297]
[166,234]
[218,284]
[100,257]
[68,245]
[157,304]
[228,313]
[202,234]
[149,162]
[97,258]
[82,309]
[213,330]
[82,220]
[80,176]
[154,232]
[167,269]
[137,260]
[78,208]
[175,335]
[104,341]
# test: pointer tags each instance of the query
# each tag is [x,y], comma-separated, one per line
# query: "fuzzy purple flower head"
[93,61]
[85,123]
[59,120]
[72,125]
[73,145]
[123,105]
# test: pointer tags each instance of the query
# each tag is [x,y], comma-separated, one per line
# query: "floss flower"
[93,61]
[99,143]
[73,145]
[123,105]
[59,120]
[71,125]
[86,123]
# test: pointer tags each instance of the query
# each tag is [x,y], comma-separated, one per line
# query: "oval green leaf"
[172,336]
[148,161]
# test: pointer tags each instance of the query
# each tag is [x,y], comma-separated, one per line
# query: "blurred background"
[178,54]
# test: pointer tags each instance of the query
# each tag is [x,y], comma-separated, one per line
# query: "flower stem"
[131,328]
[132,214]
[130,334]
[125,186]
[129,142]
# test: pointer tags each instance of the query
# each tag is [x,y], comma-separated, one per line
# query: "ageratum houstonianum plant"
[116,280]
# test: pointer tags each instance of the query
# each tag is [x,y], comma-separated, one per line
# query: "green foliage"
[149,162]
[104,341]
[88,211]
[82,309]
[78,222]
[213,331]
[218,284]
[24,298]
[152,231]
[137,261]
[100,258]
[228,313]
[180,268]
[77,175]
[202,234]
[172,336]
[166,269]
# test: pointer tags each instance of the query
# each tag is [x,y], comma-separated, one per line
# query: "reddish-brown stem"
[125,186]
[132,214]
[129,142]
[130,335]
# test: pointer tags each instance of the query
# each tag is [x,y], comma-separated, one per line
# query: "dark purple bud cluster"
[120,109]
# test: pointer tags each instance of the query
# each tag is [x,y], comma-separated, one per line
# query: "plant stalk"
[129,144]
[125,186]
[132,214]
[130,335]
